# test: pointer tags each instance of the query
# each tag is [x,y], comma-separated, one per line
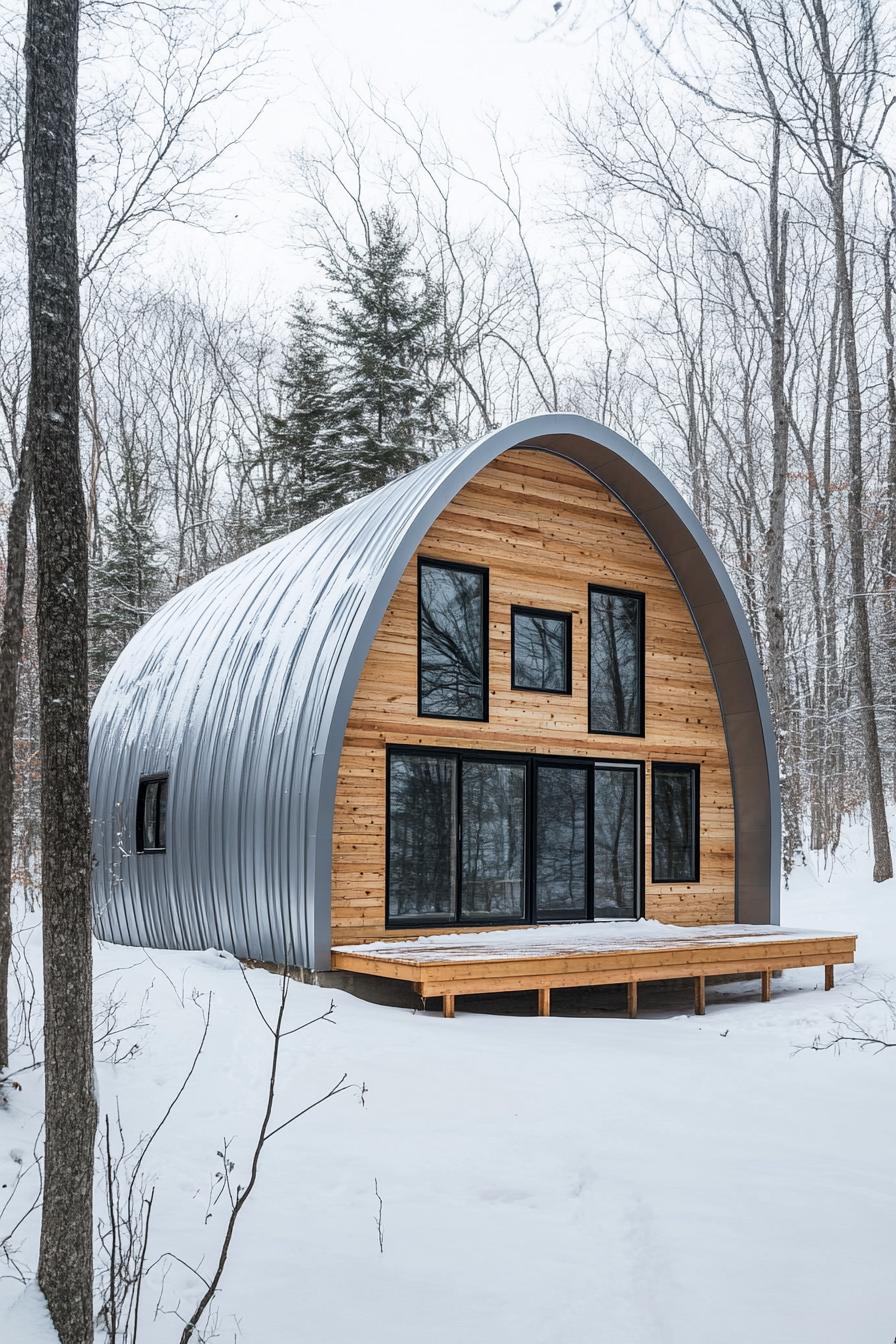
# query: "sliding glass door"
[561,842]
[617,841]
[493,840]
[587,841]
[479,838]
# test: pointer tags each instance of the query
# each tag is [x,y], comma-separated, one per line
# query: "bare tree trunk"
[889,548]
[10,654]
[774,605]
[883,861]
[65,1268]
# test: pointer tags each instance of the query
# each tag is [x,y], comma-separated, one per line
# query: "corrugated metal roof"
[240,689]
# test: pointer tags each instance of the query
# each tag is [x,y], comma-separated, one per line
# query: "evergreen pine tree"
[127,575]
[383,333]
[300,439]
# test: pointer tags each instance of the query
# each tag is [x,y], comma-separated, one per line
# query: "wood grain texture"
[688,958]
[545,530]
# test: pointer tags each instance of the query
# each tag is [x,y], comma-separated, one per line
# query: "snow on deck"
[559,940]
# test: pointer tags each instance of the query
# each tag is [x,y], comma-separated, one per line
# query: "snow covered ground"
[705,1180]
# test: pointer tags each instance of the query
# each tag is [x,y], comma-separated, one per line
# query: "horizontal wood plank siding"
[545,530]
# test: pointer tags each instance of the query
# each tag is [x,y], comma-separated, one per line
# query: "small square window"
[152,814]
[541,650]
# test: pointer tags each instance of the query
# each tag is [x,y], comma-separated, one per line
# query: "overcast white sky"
[454,58]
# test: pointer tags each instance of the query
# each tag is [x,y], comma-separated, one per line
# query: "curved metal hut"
[218,738]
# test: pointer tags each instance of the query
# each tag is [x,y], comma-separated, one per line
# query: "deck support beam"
[766,986]
[633,998]
[544,1001]
[447,1005]
[699,995]
[829,977]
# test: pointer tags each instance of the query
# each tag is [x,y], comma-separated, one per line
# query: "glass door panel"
[617,824]
[493,830]
[561,829]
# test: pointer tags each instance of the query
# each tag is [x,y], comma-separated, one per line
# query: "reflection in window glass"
[421,836]
[493,816]
[560,844]
[452,643]
[674,823]
[150,800]
[152,810]
[615,842]
[540,651]
[616,663]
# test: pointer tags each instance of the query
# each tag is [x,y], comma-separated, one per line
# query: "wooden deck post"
[699,995]
[447,1005]
[829,977]
[544,1002]
[766,985]
[633,998]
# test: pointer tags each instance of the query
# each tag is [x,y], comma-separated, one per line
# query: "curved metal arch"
[242,686]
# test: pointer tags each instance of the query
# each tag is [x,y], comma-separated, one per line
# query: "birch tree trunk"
[65,1267]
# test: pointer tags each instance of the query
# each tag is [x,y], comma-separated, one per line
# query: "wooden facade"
[545,530]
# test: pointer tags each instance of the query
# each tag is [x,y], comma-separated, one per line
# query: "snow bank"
[672,1180]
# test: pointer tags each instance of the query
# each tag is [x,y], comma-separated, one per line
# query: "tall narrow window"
[152,814]
[493,830]
[453,609]
[616,853]
[561,830]
[540,650]
[616,662]
[422,828]
[675,820]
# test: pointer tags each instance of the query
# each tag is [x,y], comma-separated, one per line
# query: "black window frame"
[640,819]
[563,763]
[545,614]
[531,760]
[691,768]
[642,660]
[436,563]
[432,920]
[161,777]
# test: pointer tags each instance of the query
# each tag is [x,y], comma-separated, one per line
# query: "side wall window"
[615,661]
[676,819]
[452,623]
[152,814]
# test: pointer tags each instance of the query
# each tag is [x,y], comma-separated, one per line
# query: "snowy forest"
[692,242]
[711,274]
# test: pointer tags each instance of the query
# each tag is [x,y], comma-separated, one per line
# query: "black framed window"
[540,650]
[615,661]
[422,826]
[617,841]
[152,814]
[452,637]
[561,841]
[493,840]
[480,837]
[675,822]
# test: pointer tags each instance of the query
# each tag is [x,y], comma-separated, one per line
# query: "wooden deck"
[559,956]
